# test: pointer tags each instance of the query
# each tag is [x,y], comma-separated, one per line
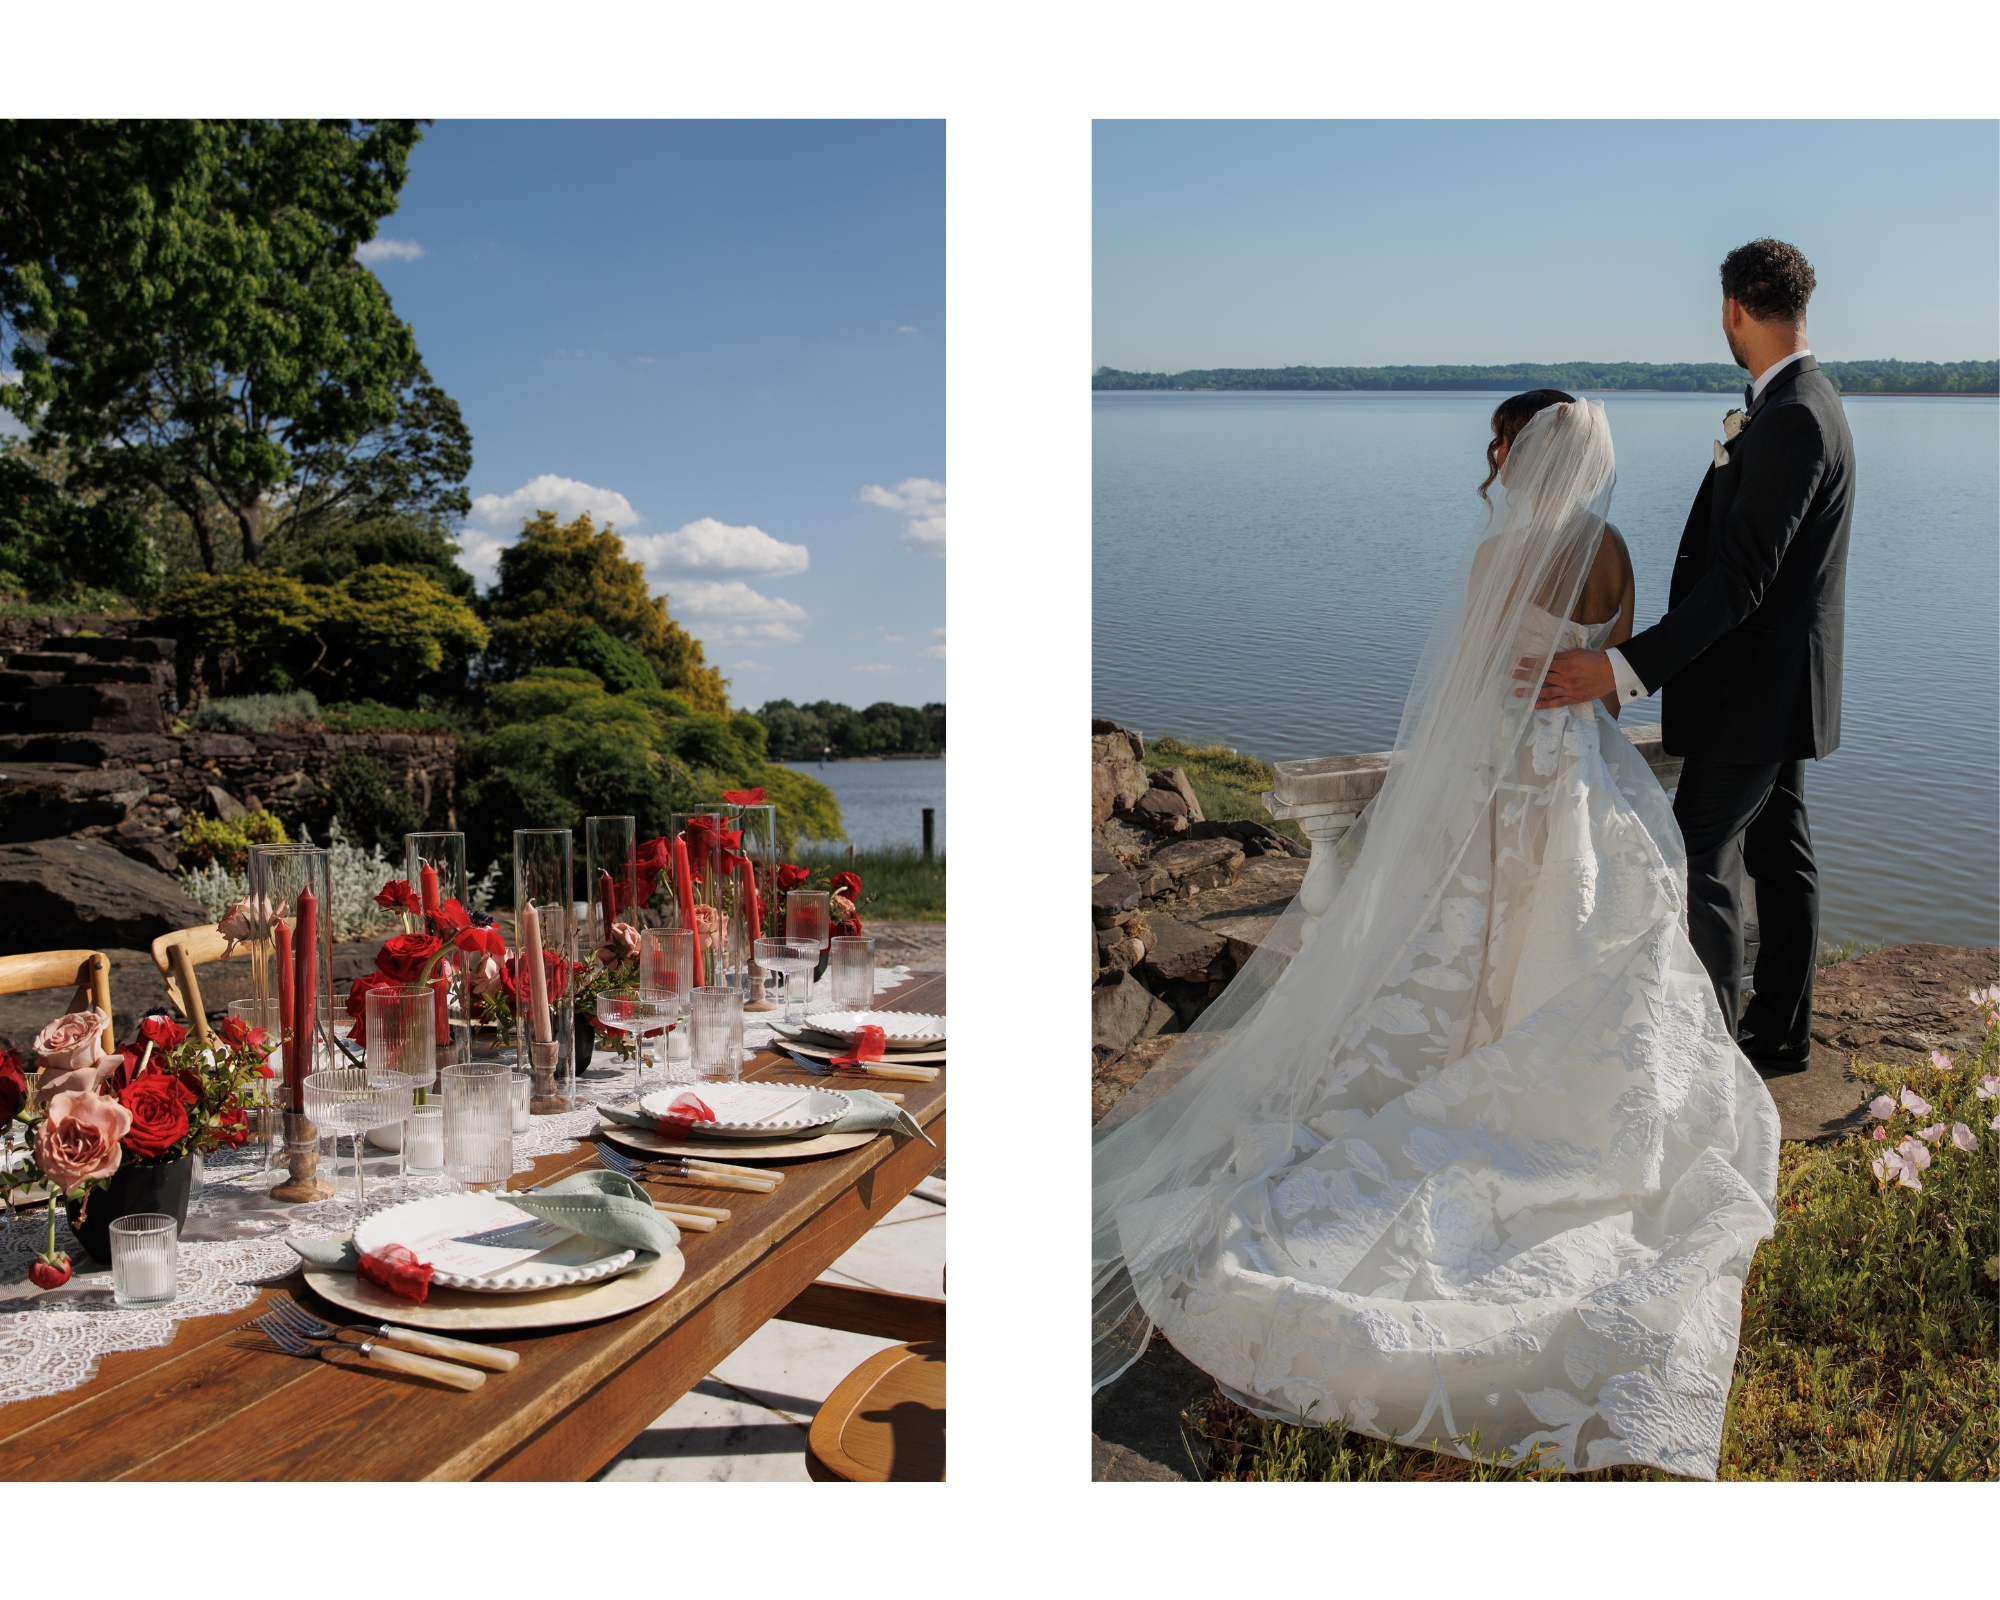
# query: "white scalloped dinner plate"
[572,1260]
[901,1030]
[815,1108]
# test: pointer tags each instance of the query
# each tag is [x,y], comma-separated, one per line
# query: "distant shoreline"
[1845,394]
[1933,379]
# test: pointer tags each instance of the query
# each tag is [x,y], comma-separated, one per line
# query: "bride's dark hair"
[1510,416]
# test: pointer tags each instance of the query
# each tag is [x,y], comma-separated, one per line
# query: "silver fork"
[706,1174]
[305,1323]
[293,1343]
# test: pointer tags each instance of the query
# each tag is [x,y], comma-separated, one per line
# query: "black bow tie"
[1749,395]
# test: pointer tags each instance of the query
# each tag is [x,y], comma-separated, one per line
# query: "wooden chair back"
[89,970]
[177,954]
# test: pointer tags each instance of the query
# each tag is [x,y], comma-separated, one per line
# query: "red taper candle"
[281,936]
[427,889]
[607,891]
[684,888]
[306,956]
[753,907]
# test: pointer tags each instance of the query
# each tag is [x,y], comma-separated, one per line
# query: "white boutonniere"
[1734,422]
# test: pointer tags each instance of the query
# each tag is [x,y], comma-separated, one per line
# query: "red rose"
[49,1274]
[481,942]
[160,1027]
[847,883]
[357,998]
[158,1104]
[13,1085]
[234,1128]
[654,859]
[449,920]
[403,958]
[791,877]
[397,895]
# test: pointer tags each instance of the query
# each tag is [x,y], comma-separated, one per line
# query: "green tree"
[617,663]
[187,315]
[339,545]
[60,550]
[559,580]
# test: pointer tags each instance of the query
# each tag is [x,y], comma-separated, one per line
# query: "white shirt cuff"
[1629,686]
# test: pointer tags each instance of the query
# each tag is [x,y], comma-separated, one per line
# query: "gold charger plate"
[454,1311]
[732,1150]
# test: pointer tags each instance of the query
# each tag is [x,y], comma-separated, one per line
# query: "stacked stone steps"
[75,685]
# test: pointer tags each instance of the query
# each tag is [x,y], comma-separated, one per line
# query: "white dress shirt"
[1629,687]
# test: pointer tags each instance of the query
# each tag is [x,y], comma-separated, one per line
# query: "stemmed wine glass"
[639,1016]
[789,957]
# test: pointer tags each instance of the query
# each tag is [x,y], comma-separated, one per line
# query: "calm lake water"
[1266,567]
[882,802]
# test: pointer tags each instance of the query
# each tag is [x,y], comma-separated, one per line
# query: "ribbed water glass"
[444,854]
[717,1044]
[853,973]
[401,1032]
[478,1123]
[423,1141]
[145,1252]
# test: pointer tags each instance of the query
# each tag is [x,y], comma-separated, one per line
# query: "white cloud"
[906,328]
[708,546]
[387,250]
[566,497]
[934,652]
[733,612]
[922,501]
[750,666]
[878,666]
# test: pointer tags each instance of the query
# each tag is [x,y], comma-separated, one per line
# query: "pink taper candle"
[538,977]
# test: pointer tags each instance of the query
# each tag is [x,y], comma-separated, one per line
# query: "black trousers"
[1756,814]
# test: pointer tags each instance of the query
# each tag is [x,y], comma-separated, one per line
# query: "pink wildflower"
[1882,1106]
[1941,1061]
[1989,1087]
[1964,1137]
[1932,1134]
[1881,1133]
[1912,1101]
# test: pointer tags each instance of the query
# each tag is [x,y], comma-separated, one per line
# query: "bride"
[1472,1155]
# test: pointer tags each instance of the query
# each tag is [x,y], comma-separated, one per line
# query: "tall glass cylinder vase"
[763,912]
[545,946]
[292,886]
[434,864]
[611,880]
[720,908]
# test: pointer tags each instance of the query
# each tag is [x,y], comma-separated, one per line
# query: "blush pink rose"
[79,1141]
[485,975]
[623,945]
[70,1041]
[76,1080]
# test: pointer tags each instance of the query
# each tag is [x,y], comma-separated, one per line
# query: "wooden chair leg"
[93,988]
[197,1014]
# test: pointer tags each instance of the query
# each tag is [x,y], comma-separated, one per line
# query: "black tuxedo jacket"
[1747,658]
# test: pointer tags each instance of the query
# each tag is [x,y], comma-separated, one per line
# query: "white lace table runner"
[53,1341]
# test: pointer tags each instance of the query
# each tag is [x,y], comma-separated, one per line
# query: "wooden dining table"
[220,1402]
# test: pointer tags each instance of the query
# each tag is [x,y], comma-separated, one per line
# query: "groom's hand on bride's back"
[1574,677]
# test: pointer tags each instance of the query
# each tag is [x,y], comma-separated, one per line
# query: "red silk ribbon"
[681,1117]
[396,1268]
[870,1042]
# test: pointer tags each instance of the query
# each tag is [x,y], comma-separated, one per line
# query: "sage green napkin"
[605,1206]
[870,1113]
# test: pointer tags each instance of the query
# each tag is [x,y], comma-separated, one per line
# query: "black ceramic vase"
[157,1187]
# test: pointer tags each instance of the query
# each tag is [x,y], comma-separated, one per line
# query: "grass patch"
[1868,1345]
[1229,786]
[897,885]
[254,713]
[1847,950]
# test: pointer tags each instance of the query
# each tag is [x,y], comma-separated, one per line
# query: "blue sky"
[726,337]
[1377,243]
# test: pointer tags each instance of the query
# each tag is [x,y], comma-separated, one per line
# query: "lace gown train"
[1536,1167]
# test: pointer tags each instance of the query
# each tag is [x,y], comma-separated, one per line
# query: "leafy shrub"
[371,716]
[365,798]
[204,840]
[379,629]
[254,713]
[357,877]
[58,550]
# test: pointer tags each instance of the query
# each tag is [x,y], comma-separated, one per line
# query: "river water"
[1267,566]
[882,802]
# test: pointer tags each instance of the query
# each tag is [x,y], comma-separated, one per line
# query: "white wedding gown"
[1519,1187]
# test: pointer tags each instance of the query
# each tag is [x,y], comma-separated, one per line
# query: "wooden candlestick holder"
[302,1157]
[758,1000]
[543,1100]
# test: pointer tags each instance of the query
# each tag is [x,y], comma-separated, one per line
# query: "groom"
[1748,655]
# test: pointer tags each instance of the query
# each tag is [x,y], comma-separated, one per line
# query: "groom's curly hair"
[1769,279]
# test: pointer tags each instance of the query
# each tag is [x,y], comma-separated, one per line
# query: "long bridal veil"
[1474,1150]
